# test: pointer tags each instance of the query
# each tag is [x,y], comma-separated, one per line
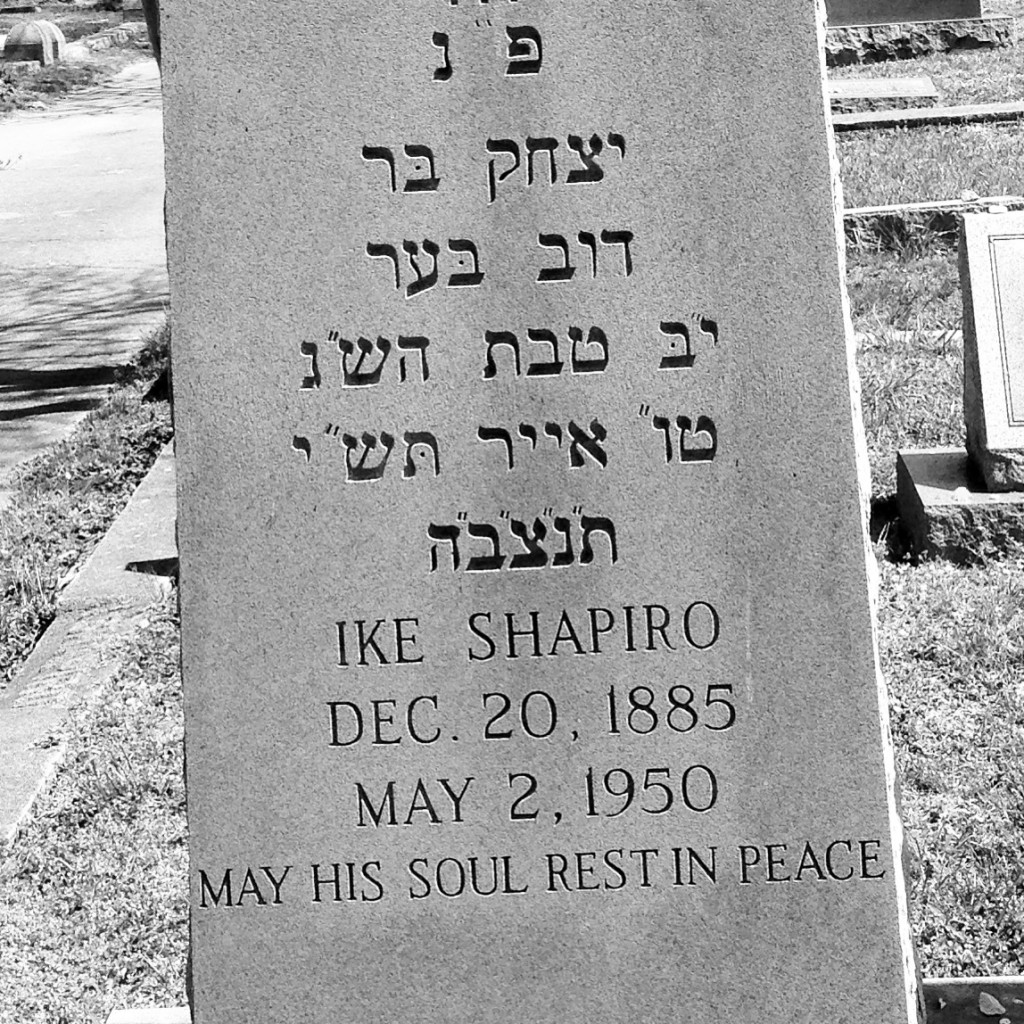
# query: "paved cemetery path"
[82,271]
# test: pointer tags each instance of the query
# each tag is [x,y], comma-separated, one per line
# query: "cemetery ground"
[93,896]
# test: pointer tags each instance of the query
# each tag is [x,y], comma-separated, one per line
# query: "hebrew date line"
[583,446]
[422,260]
[566,271]
[367,456]
[542,163]
[424,177]
[680,346]
[585,356]
[534,545]
[697,439]
[363,361]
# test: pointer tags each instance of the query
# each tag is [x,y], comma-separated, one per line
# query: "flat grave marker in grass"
[992,283]
[527,637]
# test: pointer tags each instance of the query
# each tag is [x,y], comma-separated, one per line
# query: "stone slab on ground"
[974,1000]
[77,654]
[912,117]
[865,44]
[920,88]
[124,570]
[945,513]
[992,284]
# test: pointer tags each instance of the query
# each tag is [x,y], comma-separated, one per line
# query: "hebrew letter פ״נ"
[525,52]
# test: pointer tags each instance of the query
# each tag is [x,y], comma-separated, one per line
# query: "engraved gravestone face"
[992,283]
[509,349]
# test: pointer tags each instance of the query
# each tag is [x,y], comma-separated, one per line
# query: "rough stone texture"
[35,40]
[992,286]
[620,436]
[945,513]
[882,12]
[866,44]
[973,1000]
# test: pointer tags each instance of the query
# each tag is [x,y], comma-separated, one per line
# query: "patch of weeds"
[93,894]
[952,646]
[916,288]
[59,79]
[911,395]
[62,504]
[908,165]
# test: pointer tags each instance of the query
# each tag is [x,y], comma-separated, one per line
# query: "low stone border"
[866,44]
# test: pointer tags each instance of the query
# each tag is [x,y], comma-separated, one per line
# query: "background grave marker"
[527,637]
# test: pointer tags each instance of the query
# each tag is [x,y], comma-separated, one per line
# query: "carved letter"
[545,145]
[385,154]
[357,377]
[414,344]
[431,181]
[535,556]
[590,443]
[464,278]
[528,433]
[593,524]
[428,440]
[551,369]
[616,141]
[360,471]
[485,563]
[704,426]
[591,171]
[676,362]
[302,445]
[710,328]
[662,423]
[524,51]
[500,146]
[448,533]
[563,273]
[494,339]
[587,239]
[381,250]
[498,434]
[423,281]
[308,348]
[444,72]
[564,557]
[553,430]
[594,337]
[622,238]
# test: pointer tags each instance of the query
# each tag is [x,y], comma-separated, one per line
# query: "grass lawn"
[92,897]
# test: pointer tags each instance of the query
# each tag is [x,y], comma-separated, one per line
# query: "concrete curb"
[102,608]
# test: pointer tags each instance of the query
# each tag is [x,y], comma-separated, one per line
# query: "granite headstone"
[527,634]
[992,284]
[886,12]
